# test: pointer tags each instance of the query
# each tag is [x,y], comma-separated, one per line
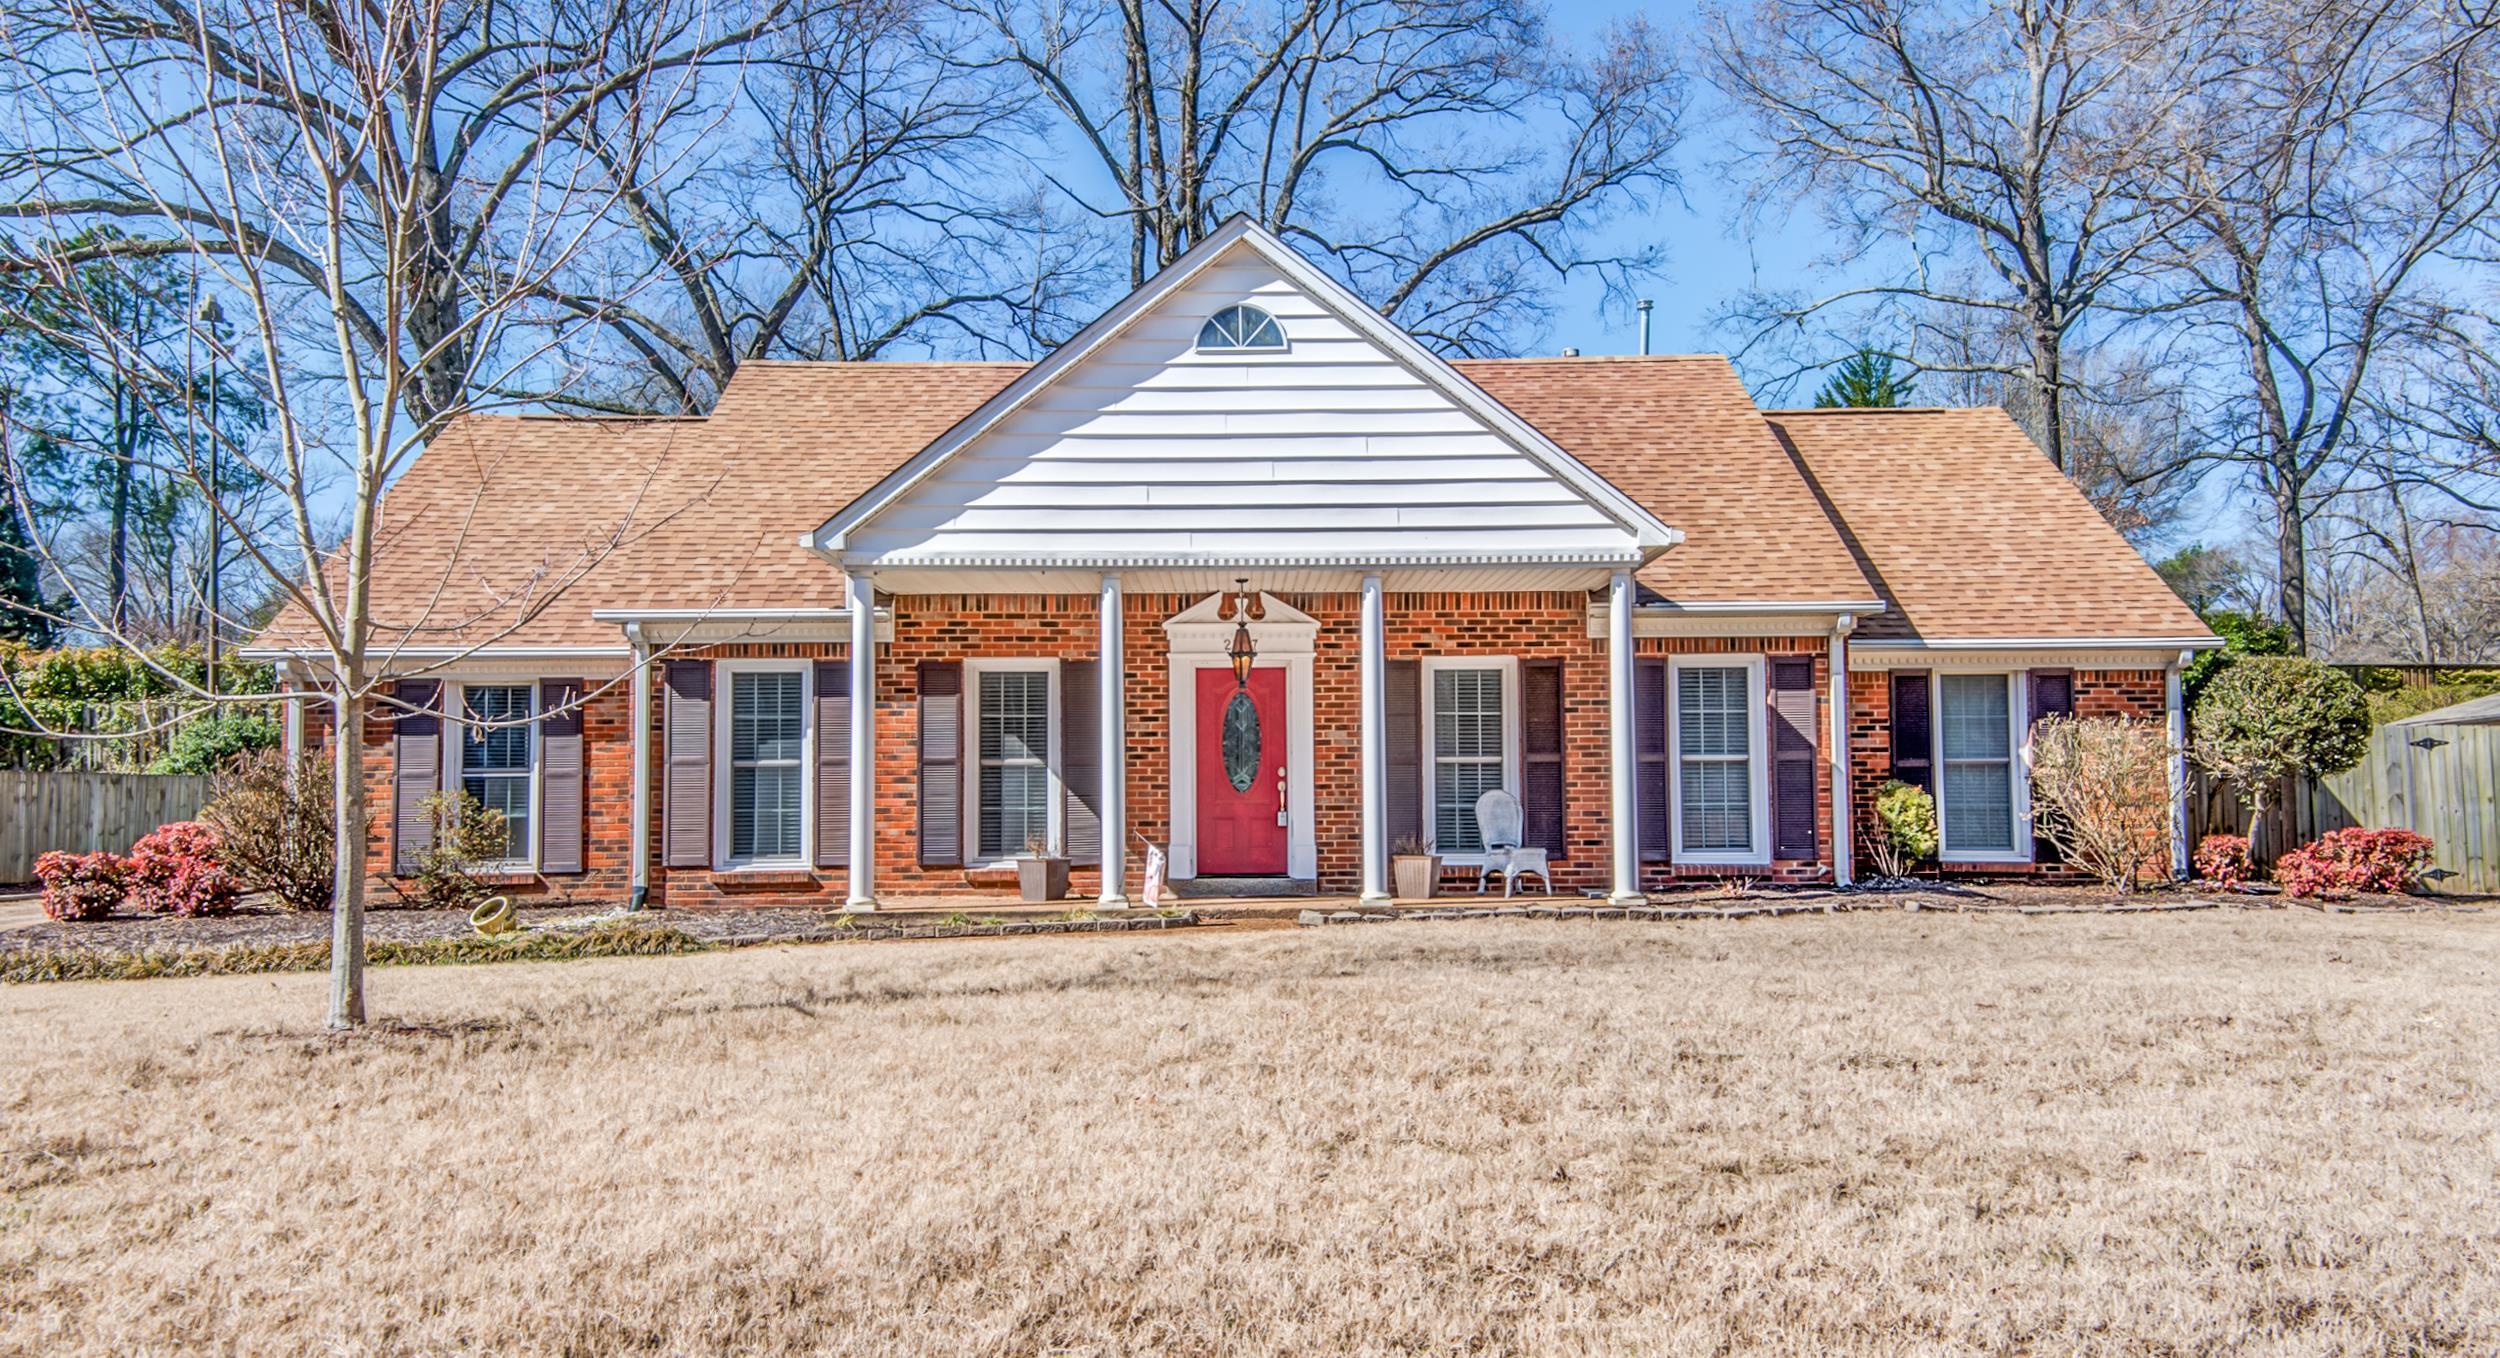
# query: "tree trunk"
[2048,376]
[2291,561]
[117,547]
[347,882]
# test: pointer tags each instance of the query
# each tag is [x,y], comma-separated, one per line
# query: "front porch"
[945,732]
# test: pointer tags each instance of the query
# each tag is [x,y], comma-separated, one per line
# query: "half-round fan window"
[1241,327]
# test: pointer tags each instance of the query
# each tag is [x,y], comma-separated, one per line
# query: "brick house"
[869,630]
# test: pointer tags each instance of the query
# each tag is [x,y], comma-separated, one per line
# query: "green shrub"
[1905,829]
[204,745]
[2268,717]
[252,959]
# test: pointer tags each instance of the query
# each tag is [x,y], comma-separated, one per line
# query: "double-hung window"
[767,764]
[494,768]
[1721,808]
[1470,750]
[1980,804]
[1012,748]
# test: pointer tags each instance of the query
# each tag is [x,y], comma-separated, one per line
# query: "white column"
[291,677]
[1844,831]
[1374,672]
[1114,797]
[862,596]
[638,820]
[1627,884]
[2177,708]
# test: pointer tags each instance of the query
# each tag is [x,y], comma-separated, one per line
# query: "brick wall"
[2098,693]
[955,627]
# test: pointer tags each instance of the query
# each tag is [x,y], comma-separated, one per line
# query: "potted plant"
[1040,874]
[1414,869]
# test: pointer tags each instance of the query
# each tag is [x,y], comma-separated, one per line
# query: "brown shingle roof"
[1679,434]
[1972,534]
[1984,540]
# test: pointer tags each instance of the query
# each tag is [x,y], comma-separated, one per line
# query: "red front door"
[1241,774]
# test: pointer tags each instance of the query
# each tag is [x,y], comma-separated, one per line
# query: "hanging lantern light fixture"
[1242,608]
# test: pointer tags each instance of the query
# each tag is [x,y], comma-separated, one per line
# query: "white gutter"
[1844,828]
[639,855]
[2046,643]
[1775,606]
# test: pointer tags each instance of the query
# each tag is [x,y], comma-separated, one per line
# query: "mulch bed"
[261,925]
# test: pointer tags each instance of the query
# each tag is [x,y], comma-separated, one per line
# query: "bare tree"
[296,153]
[1452,160]
[2330,183]
[1973,156]
[869,193]
[484,117]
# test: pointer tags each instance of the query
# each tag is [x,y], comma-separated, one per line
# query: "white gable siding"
[1328,450]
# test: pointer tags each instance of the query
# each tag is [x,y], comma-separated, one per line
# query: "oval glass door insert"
[1241,741]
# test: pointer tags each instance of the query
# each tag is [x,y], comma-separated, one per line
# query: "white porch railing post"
[1114,795]
[861,594]
[1627,883]
[2177,712]
[1374,672]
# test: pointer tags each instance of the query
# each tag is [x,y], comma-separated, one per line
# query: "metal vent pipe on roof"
[1644,309]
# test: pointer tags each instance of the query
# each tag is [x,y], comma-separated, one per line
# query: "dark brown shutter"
[1541,755]
[560,775]
[416,768]
[1913,758]
[941,763]
[686,773]
[1793,746]
[1402,731]
[1080,757]
[1649,757]
[2052,695]
[833,763]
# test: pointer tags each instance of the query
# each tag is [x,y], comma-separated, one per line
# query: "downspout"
[2173,700]
[639,855]
[1844,828]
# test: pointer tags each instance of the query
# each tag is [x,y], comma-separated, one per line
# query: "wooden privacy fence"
[82,812]
[2436,779]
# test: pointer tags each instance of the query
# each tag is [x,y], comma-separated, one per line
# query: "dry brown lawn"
[2262,1133]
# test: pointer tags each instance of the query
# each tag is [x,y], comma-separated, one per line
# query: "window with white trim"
[495,767]
[1012,746]
[1715,757]
[1470,748]
[1975,758]
[767,764]
[1240,328]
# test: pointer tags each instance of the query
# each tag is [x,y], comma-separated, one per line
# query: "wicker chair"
[1498,824]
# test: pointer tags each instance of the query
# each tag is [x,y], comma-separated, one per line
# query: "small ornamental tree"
[2102,785]
[2269,717]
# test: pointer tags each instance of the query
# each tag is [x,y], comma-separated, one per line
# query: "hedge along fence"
[86,812]
[2435,779]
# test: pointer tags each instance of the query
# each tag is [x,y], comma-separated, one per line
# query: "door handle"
[1280,795]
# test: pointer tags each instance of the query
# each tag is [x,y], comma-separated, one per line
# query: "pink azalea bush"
[2223,860]
[178,870]
[2342,862]
[82,886]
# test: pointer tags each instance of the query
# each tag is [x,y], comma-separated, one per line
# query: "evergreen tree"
[1865,378]
[22,617]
